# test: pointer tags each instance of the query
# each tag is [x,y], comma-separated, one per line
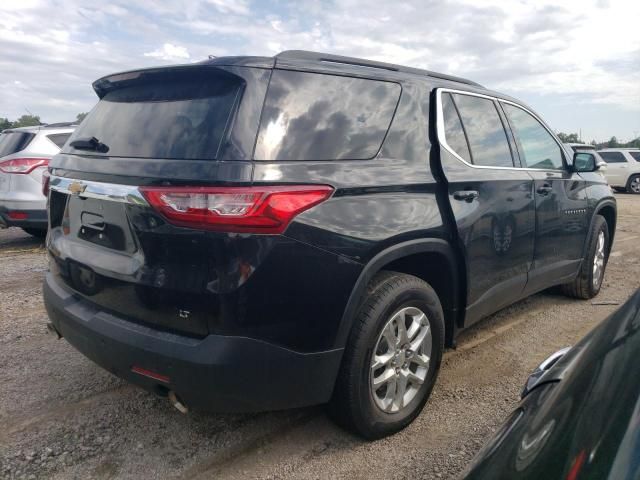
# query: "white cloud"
[586,53]
[231,6]
[169,52]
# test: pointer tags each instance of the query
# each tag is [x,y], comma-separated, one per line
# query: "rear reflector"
[18,215]
[263,209]
[23,165]
[148,373]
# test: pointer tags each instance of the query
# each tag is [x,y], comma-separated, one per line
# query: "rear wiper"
[89,143]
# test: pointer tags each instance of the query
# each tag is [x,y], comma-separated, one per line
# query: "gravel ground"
[63,417]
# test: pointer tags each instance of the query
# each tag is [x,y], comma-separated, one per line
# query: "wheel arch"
[432,260]
[606,209]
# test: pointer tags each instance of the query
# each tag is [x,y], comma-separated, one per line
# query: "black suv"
[252,233]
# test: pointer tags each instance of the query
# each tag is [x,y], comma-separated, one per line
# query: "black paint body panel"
[300,291]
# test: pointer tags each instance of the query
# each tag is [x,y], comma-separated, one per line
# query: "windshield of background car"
[171,115]
[12,142]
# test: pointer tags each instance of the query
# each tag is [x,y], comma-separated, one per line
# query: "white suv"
[24,156]
[623,168]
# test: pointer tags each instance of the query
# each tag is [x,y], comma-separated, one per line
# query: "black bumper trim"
[216,373]
[36,218]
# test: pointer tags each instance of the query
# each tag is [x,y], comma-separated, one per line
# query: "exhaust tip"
[51,328]
[176,402]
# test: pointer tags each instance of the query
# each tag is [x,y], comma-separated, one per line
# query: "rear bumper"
[35,218]
[216,373]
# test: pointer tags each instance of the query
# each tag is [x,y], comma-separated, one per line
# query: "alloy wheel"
[598,261]
[400,360]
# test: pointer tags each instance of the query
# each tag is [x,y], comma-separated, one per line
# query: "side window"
[59,138]
[310,116]
[487,138]
[453,132]
[538,147]
[613,157]
[635,155]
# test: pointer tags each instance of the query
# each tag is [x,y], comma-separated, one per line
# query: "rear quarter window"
[309,116]
[635,156]
[59,138]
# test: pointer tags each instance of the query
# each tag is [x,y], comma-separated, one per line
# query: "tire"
[355,404]
[633,184]
[36,232]
[584,285]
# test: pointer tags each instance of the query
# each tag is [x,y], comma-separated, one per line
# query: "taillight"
[266,209]
[45,182]
[23,165]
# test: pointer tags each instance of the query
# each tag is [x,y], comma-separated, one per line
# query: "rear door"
[560,200]
[491,199]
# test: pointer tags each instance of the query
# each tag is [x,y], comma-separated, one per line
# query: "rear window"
[635,155]
[309,116]
[12,142]
[172,115]
[578,148]
[59,138]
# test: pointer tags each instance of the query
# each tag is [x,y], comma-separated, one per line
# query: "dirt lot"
[63,417]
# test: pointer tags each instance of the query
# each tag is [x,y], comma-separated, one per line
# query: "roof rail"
[60,124]
[339,59]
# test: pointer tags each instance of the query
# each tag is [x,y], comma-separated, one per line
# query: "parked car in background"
[623,168]
[24,156]
[580,413]
[585,147]
[257,233]
[581,146]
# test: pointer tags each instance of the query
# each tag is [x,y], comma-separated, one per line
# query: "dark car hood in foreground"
[582,420]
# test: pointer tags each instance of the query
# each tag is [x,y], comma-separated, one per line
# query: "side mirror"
[585,162]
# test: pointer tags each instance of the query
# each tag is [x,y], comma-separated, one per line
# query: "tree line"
[611,143]
[30,121]
[33,120]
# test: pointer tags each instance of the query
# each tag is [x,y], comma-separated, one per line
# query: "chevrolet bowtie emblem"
[76,187]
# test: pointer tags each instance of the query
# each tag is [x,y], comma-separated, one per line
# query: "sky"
[577,63]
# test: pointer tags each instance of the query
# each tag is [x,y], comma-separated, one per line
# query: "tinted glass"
[635,156]
[310,116]
[613,157]
[577,148]
[59,138]
[487,138]
[538,148]
[12,142]
[454,134]
[179,116]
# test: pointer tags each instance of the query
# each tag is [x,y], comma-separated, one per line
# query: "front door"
[491,199]
[560,199]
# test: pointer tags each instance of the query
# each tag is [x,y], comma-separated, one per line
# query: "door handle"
[544,189]
[466,195]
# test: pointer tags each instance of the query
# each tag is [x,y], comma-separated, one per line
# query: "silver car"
[24,156]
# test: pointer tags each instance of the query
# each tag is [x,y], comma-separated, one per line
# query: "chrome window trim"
[442,139]
[99,190]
